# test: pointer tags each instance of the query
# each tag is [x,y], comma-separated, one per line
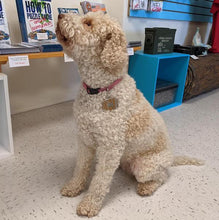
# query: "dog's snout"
[61,16]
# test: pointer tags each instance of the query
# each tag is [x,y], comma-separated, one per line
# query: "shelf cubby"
[146,69]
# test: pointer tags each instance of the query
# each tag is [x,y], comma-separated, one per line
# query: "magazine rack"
[6,140]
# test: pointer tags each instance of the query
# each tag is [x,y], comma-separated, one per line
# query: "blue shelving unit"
[184,10]
[147,68]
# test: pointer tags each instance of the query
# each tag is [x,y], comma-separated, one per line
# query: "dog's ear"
[114,54]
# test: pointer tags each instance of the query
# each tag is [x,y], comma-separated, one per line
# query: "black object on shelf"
[51,47]
[192,50]
[159,40]
[134,44]
[165,93]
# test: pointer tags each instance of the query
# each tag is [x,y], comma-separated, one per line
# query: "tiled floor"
[44,159]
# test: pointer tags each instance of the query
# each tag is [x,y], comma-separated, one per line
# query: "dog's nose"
[61,16]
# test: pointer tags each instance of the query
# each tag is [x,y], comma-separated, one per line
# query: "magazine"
[36,20]
[139,4]
[68,10]
[155,5]
[92,7]
[4,32]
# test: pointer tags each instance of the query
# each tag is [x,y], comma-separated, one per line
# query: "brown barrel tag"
[110,104]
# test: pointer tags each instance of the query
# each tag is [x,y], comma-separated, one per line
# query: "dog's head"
[94,37]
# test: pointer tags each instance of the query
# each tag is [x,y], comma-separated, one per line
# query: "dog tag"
[110,104]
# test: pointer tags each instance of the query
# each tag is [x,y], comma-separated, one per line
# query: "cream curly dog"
[115,122]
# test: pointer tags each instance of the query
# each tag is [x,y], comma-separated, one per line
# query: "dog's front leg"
[108,154]
[82,170]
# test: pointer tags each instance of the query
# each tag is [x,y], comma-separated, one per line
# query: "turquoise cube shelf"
[147,68]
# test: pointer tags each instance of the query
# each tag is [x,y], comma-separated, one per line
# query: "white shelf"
[6,140]
[4,153]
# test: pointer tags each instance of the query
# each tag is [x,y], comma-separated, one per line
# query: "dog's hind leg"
[81,173]
[150,167]
[149,187]
[150,171]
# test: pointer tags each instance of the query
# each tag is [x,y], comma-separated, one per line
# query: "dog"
[115,122]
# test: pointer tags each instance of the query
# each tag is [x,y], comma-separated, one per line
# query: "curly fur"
[132,136]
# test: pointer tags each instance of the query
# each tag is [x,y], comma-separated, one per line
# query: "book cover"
[92,7]
[139,4]
[36,20]
[155,5]
[68,10]
[4,31]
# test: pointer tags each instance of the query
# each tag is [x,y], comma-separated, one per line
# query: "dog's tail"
[184,160]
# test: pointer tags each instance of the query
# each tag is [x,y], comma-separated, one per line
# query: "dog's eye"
[87,22]
[109,36]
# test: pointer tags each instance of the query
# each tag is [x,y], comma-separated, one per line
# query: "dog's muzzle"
[68,30]
[60,16]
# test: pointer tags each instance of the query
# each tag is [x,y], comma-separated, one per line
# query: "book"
[7,48]
[139,4]
[68,10]
[36,20]
[4,31]
[134,44]
[92,7]
[155,5]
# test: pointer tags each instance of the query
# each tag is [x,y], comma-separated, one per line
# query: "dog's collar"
[92,91]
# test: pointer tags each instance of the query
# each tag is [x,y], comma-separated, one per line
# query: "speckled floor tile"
[45,155]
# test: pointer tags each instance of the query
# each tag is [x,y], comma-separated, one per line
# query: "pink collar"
[92,91]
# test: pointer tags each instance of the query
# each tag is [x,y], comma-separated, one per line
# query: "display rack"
[184,10]
[147,68]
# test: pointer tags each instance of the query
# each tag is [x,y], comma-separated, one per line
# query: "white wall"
[46,81]
[50,81]
[116,9]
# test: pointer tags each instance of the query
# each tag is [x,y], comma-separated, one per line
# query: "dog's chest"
[104,102]
[95,111]
[105,107]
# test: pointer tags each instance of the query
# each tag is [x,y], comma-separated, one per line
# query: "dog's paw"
[148,188]
[88,207]
[72,190]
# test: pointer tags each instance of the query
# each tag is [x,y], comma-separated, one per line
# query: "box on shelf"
[159,40]
[165,93]
[192,50]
